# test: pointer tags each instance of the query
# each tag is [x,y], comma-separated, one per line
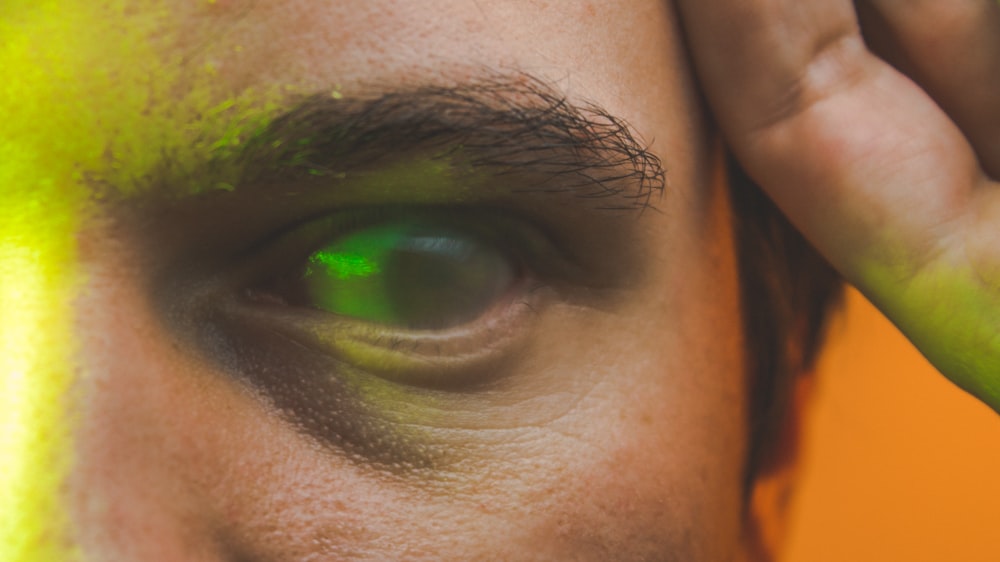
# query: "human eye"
[384,323]
[430,297]
[392,331]
[405,273]
[359,323]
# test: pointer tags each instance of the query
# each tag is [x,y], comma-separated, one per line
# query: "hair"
[788,293]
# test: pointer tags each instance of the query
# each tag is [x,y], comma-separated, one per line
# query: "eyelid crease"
[458,357]
[527,242]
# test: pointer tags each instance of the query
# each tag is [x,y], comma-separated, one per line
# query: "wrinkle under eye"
[406,274]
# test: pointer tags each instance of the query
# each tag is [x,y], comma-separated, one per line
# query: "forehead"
[315,43]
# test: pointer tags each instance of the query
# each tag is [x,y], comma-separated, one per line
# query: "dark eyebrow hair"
[506,125]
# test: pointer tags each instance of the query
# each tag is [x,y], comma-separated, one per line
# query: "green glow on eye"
[344,265]
[344,277]
[408,275]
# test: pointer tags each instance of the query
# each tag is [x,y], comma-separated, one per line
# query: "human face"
[558,374]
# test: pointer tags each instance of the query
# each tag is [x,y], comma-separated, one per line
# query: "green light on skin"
[950,313]
[90,102]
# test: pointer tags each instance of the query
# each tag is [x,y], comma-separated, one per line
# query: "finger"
[853,151]
[952,49]
[865,164]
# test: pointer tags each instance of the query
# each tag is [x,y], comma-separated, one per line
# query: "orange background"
[899,464]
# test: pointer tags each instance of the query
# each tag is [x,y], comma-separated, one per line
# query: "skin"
[616,430]
[577,451]
[905,206]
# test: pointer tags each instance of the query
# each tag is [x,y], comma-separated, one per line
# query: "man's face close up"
[373,280]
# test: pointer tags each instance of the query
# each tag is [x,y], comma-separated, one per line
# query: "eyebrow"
[508,125]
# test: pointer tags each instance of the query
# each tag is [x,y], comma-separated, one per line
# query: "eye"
[428,297]
[434,297]
[363,324]
[405,274]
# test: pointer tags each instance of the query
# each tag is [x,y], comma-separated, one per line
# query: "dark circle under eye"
[407,275]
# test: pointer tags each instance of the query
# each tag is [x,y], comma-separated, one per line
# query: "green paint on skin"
[422,180]
[88,102]
[425,180]
[952,314]
[116,104]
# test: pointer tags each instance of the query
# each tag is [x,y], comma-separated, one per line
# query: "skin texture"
[163,402]
[904,203]
[60,127]
[596,429]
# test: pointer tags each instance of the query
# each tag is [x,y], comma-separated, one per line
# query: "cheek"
[144,430]
[638,504]
[666,472]
[176,462]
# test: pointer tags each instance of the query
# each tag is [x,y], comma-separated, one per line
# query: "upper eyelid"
[495,227]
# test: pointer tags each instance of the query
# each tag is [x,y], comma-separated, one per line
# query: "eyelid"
[331,375]
[449,359]
[437,358]
[524,242]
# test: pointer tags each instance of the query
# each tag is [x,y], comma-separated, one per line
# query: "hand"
[881,142]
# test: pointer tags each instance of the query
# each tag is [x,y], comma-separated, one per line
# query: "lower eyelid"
[466,355]
[247,315]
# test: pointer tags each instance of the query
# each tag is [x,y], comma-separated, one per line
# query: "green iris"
[410,275]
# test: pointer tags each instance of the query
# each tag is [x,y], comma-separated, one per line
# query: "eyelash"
[345,381]
[256,335]
[407,273]
[530,249]
[536,262]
